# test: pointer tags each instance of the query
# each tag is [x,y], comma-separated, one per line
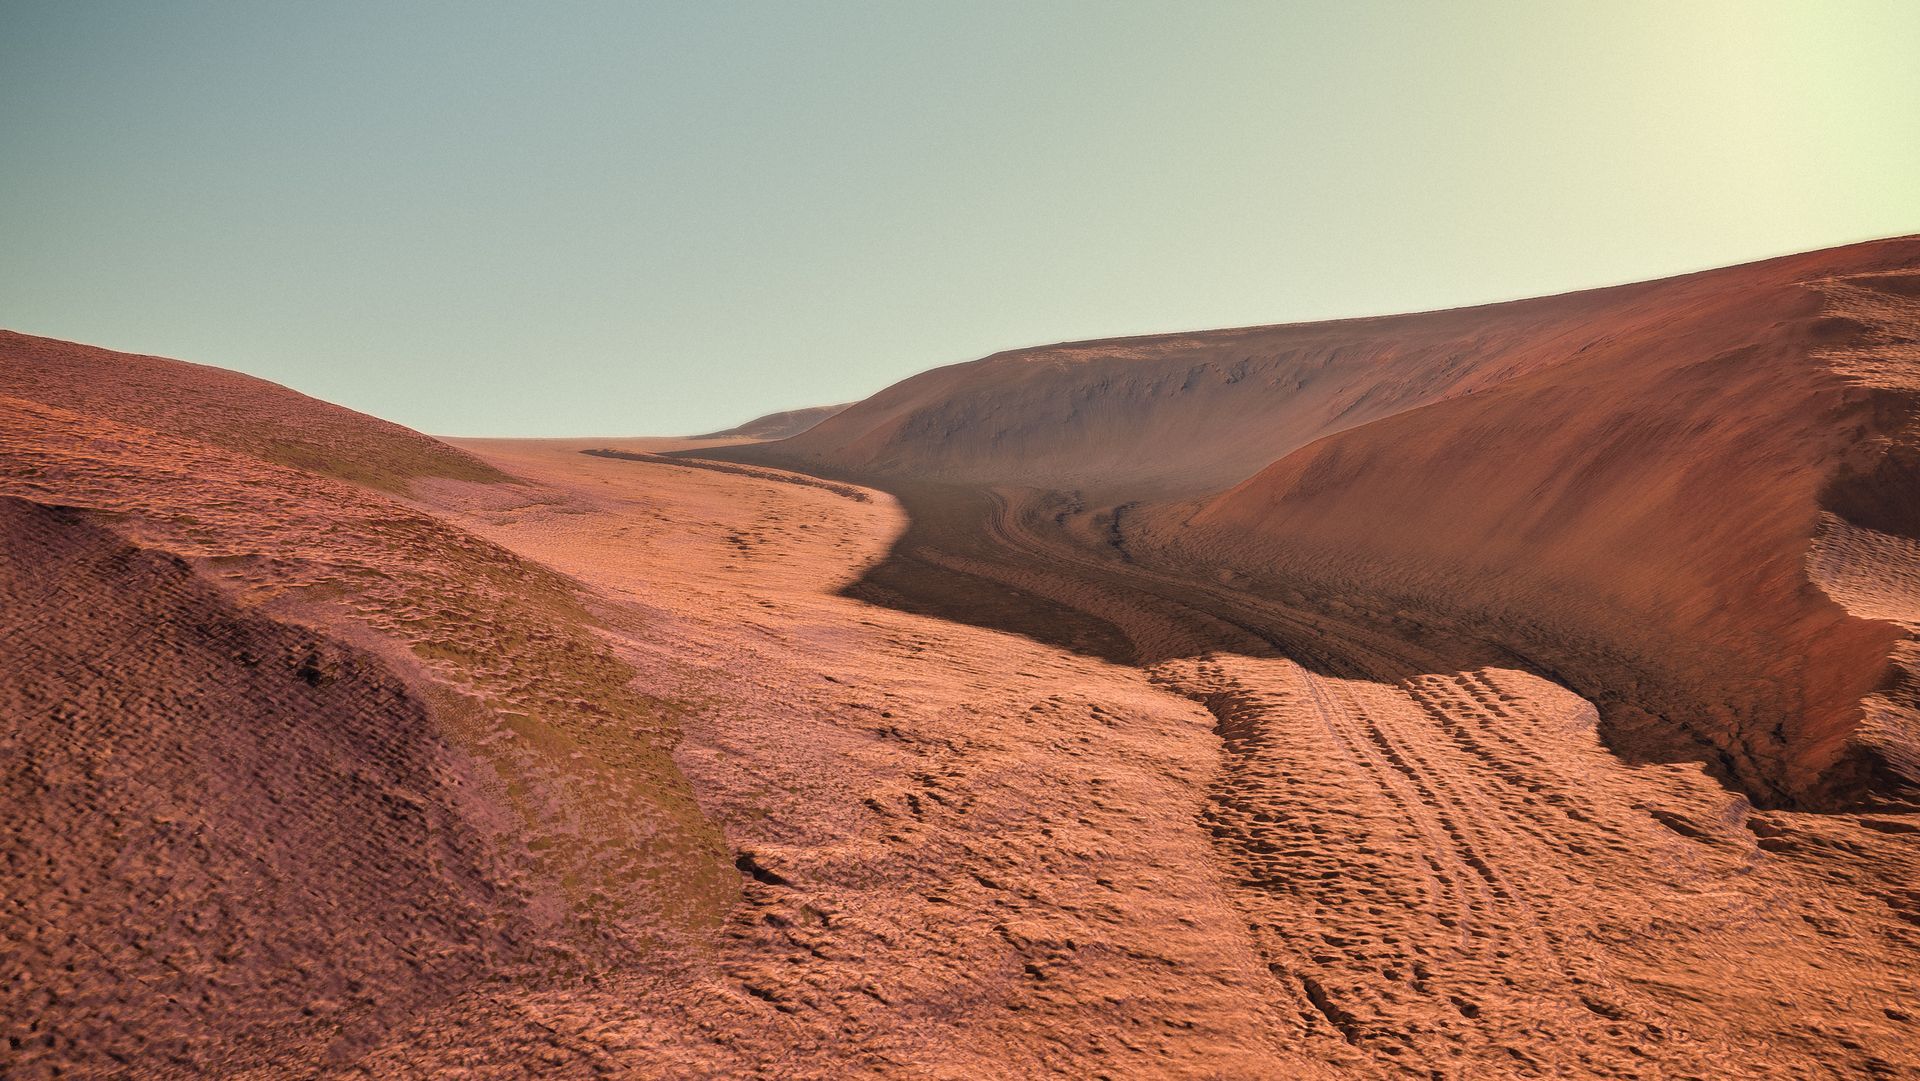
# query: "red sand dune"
[1623,487]
[228,410]
[336,750]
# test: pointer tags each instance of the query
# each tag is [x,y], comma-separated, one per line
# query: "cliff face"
[1695,500]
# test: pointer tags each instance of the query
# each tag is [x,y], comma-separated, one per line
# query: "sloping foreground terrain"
[287,758]
[972,853]
[1695,501]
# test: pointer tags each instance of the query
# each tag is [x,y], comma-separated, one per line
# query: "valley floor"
[1213,853]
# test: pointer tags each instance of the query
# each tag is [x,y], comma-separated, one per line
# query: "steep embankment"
[1623,485]
[1641,518]
[294,758]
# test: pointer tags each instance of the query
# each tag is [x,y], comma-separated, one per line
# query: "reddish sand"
[1622,488]
[335,750]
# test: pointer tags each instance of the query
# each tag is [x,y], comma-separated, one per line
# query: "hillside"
[1625,487]
[1711,523]
[781,425]
[228,410]
[292,759]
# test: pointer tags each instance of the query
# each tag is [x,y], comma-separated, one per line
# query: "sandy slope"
[1437,852]
[1273,845]
[1621,487]
[1640,519]
[246,818]
[973,854]
[966,854]
[780,425]
[227,410]
[229,839]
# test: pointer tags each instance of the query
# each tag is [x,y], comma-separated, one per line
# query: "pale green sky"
[602,219]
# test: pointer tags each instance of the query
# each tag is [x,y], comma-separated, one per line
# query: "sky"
[608,219]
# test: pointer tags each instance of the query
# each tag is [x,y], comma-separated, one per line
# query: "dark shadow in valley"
[969,556]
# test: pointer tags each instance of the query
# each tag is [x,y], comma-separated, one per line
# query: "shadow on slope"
[1620,489]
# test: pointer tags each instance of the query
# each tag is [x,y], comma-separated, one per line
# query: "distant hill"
[777,425]
[1696,500]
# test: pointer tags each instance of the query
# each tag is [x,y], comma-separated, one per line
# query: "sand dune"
[1643,517]
[228,410]
[1621,487]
